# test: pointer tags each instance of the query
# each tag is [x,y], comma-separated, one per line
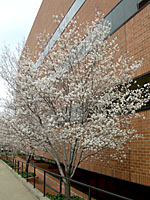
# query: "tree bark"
[13,156]
[27,162]
[6,154]
[67,188]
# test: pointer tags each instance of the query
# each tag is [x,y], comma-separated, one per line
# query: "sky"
[16,20]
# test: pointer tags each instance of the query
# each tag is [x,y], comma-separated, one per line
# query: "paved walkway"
[10,186]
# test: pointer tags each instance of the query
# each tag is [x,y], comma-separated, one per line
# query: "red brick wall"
[134,37]
[45,22]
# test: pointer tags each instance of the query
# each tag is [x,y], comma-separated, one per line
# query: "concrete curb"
[29,186]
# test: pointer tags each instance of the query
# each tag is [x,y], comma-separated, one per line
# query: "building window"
[138,82]
[63,24]
[143,3]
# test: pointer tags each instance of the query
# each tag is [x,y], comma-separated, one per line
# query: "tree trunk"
[13,156]
[67,188]
[67,183]
[6,154]
[27,162]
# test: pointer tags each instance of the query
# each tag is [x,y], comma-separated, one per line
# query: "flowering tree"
[8,140]
[79,101]
[13,138]
[17,125]
[4,139]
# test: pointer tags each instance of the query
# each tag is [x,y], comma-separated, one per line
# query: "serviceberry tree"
[79,101]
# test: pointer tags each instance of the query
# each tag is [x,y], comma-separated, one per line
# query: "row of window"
[64,23]
[123,11]
[119,15]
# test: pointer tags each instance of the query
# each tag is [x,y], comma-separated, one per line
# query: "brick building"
[131,24]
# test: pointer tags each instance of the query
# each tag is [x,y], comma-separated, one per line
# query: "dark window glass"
[136,83]
[121,13]
[139,82]
[143,3]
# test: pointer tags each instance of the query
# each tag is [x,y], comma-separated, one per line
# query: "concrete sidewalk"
[11,187]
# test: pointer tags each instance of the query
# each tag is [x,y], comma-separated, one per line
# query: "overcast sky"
[16,19]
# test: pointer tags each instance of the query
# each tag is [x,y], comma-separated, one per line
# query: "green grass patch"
[24,174]
[20,154]
[6,161]
[12,165]
[57,197]
[9,163]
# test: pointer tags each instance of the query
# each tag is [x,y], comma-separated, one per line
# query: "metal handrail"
[61,180]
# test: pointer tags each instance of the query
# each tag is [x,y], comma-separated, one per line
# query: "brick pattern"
[134,37]
[44,21]
[50,180]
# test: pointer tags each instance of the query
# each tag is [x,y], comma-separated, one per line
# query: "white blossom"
[78,103]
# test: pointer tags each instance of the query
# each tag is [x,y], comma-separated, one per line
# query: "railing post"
[22,169]
[34,178]
[60,188]
[27,172]
[18,167]
[15,165]
[44,183]
[89,197]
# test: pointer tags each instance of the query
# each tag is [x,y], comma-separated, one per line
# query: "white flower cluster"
[79,101]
